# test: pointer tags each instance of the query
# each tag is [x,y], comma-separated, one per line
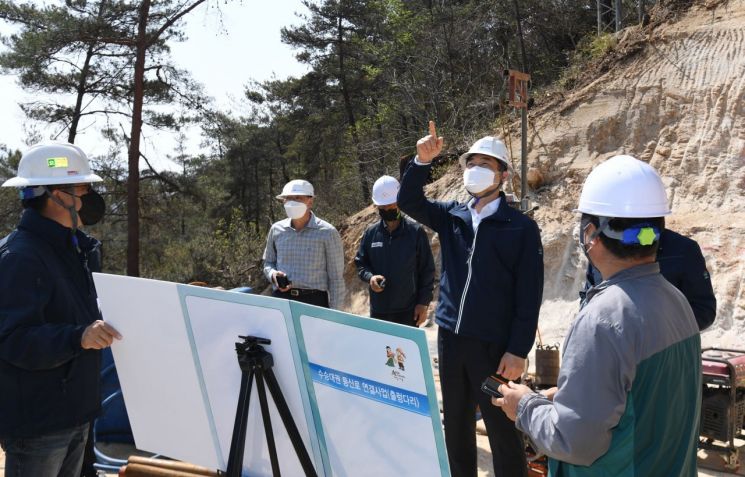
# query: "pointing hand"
[430,146]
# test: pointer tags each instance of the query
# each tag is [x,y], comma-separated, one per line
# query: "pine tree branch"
[171,21]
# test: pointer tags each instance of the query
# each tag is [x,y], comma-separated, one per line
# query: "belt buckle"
[294,292]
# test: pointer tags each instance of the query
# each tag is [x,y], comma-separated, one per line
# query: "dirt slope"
[672,95]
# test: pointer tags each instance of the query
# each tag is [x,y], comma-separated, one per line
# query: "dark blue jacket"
[404,258]
[683,265]
[47,381]
[491,284]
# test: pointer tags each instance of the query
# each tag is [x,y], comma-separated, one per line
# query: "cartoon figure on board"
[391,357]
[400,358]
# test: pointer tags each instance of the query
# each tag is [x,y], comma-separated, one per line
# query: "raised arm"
[411,197]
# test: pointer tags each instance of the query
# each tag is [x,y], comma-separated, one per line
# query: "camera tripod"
[256,365]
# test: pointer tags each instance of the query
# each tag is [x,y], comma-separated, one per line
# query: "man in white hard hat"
[629,389]
[304,257]
[394,258]
[491,286]
[51,329]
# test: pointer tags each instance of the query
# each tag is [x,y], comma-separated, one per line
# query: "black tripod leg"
[267,422]
[289,422]
[238,441]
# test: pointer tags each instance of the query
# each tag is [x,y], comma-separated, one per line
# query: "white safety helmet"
[385,191]
[53,163]
[296,187]
[624,187]
[489,146]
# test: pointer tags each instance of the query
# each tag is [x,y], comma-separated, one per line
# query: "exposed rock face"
[676,100]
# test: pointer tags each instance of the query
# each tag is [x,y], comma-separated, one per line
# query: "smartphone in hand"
[491,384]
[283,281]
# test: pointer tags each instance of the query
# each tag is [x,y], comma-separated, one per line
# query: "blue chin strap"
[32,192]
[643,234]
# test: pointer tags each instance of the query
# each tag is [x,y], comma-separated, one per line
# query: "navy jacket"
[491,282]
[683,265]
[47,381]
[404,258]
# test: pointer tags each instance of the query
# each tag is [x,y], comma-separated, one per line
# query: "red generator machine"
[723,402]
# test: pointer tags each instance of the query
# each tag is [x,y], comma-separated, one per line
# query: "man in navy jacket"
[51,330]
[683,265]
[490,295]
[395,252]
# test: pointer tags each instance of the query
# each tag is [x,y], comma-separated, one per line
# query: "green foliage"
[598,47]
[589,49]
[378,71]
[81,53]
[9,202]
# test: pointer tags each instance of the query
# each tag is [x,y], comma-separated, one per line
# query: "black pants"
[464,364]
[315,297]
[401,317]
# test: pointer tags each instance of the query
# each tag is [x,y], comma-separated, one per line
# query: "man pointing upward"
[490,294]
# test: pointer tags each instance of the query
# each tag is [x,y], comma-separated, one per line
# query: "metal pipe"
[641,8]
[524,157]
[618,15]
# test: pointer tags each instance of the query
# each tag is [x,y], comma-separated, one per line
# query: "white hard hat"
[385,191]
[296,187]
[489,146]
[53,163]
[624,187]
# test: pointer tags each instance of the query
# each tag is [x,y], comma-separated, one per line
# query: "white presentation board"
[360,390]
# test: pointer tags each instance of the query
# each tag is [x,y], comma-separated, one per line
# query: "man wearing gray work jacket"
[491,286]
[628,400]
[304,258]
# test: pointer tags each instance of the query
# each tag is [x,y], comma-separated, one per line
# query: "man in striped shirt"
[304,258]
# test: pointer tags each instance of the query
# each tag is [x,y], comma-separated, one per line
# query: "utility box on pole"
[517,88]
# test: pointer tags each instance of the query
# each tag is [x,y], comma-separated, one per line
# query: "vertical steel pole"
[600,17]
[618,15]
[524,158]
[641,10]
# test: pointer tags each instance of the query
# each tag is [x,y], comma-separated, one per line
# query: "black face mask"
[93,208]
[389,215]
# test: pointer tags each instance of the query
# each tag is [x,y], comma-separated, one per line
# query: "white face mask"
[478,179]
[295,209]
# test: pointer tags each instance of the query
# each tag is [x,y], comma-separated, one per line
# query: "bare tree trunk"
[133,180]
[350,113]
[82,84]
[81,90]
[256,202]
